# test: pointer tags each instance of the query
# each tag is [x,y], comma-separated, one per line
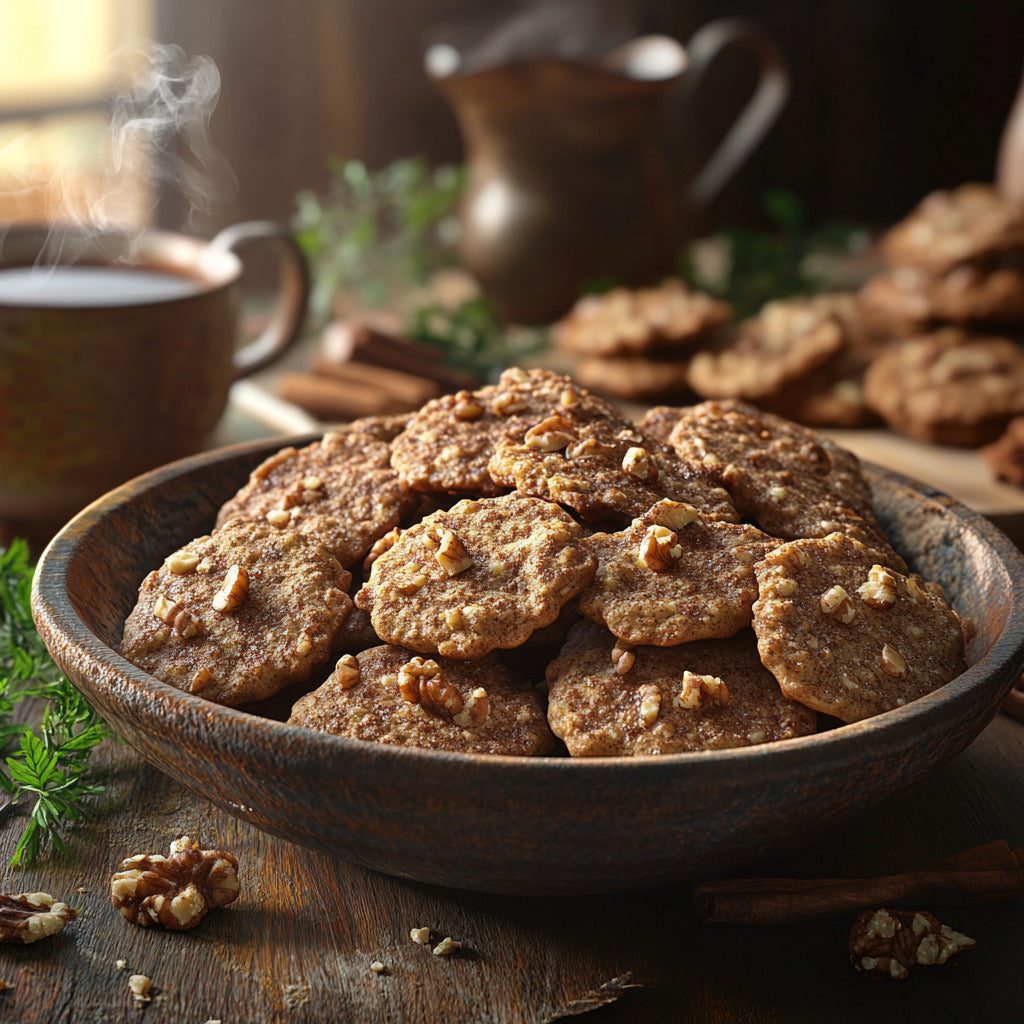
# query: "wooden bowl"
[504,824]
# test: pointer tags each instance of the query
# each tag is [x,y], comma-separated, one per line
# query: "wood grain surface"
[296,947]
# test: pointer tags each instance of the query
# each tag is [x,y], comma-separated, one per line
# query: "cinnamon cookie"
[968,293]
[674,576]
[955,226]
[705,695]
[604,473]
[446,445]
[237,615]
[948,387]
[642,321]
[787,340]
[339,490]
[389,695]
[789,480]
[848,637]
[485,574]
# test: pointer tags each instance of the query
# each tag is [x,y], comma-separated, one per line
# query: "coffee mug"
[117,352]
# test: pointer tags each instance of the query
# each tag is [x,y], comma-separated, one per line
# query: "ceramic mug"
[117,352]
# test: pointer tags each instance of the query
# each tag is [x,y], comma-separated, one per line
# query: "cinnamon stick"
[335,401]
[402,387]
[989,872]
[376,340]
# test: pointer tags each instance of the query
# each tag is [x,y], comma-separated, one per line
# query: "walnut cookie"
[847,636]
[483,575]
[674,576]
[237,615]
[390,695]
[341,490]
[705,695]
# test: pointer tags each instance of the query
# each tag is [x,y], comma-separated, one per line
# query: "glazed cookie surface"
[705,695]
[390,695]
[848,637]
[948,387]
[603,470]
[673,576]
[237,615]
[339,490]
[483,575]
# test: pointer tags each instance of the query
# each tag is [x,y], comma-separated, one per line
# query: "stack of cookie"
[520,570]
[952,302]
[636,344]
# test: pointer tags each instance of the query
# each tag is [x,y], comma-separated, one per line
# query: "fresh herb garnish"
[46,767]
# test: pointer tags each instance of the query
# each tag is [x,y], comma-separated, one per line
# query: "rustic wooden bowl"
[502,824]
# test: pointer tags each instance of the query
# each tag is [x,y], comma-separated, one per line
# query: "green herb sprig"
[48,769]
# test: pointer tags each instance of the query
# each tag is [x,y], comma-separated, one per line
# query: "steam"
[164,120]
[156,152]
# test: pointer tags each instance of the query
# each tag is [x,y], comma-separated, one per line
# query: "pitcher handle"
[761,110]
[289,313]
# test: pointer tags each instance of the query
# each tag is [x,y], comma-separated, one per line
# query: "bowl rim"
[55,615]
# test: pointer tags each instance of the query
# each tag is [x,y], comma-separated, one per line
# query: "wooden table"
[297,945]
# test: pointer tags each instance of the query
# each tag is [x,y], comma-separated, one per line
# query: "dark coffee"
[76,286]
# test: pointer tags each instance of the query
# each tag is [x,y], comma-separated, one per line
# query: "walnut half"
[887,943]
[31,916]
[174,891]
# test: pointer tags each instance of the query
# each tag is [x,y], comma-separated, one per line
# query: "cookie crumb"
[139,986]
[378,968]
[121,964]
[420,935]
[447,946]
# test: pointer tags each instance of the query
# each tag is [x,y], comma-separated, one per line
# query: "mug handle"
[761,110]
[289,313]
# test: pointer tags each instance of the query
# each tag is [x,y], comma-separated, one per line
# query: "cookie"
[389,695]
[604,473]
[913,299]
[642,321]
[447,444]
[955,226]
[483,575]
[705,695]
[848,637]
[673,576]
[340,490]
[237,615]
[788,480]
[787,340]
[635,378]
[832,394]
[948,387]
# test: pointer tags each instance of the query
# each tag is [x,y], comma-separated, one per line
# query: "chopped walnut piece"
[466,406]
[892,662]
[836,602]
[421,936]
[451,554]
[650,704]
[888,943]
[659,548]
[475,711]
[233,591]
[174,891]
[674,514]
[550,435]
[700,691]
[638,462]
[622,657]
[181,563]
[177,616]
[879,589]
[346,671]
[31,916]
[420,682]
